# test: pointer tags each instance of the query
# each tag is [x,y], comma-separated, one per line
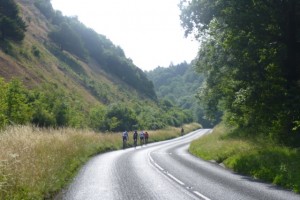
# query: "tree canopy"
[250,58]
[178,84]
[12,27]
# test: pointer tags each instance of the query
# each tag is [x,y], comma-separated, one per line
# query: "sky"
[148,31]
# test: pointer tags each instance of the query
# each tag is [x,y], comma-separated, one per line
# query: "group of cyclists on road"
[144,136]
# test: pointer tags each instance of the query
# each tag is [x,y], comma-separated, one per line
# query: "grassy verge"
[260,159]
[36,163]
[171,132]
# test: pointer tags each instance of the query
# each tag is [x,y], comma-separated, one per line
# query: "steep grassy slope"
[76,77]
[37,60]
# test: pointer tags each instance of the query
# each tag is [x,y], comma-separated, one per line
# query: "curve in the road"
[165,170]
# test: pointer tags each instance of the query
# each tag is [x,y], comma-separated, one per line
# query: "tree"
[120,117]
[17,107]
[3,103]
[12,27]
[69,40]
[97,118]
[249,59]
[45,7]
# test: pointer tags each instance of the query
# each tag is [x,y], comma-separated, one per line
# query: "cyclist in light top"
[142,135]
[125,136]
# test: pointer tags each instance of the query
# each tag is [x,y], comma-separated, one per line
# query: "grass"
[260,158]
[170,132]
[37,163]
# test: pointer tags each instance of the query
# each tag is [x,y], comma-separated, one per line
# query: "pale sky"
[148,31]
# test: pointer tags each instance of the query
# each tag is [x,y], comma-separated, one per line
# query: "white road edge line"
[175,179]
[151,160]
[201,195]
[159,167]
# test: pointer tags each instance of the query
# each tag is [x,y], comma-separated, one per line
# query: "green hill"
[179,84]
[71,74]
[62,50]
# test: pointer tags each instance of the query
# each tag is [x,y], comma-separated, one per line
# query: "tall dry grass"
[36,163]
[171,132]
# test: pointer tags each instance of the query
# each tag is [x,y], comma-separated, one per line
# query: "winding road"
[165,170]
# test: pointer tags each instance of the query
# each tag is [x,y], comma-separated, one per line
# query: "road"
[165,170]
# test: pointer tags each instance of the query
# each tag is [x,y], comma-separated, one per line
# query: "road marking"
[201,195]
[159,167]
[162,153]
[175,179]
[151,159]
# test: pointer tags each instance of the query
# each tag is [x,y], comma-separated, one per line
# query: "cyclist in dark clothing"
[125,138]
[146,137]
[135,137]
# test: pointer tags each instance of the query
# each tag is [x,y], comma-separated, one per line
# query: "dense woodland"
[250,58]
[178,84]
[52,104]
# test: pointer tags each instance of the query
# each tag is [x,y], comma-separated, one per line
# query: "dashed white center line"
[201,195]
[175,179]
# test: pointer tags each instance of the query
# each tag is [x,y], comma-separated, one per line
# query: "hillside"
[179,84]
[79,70]
[38,59]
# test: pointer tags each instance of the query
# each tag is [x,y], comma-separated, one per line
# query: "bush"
[260,159]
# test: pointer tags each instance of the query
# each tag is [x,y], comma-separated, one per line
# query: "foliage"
[69,40]
[45,7]
[71,35]
[132,116]
[51,106]
[37,163]
[178,84]
[12,27]
[14,105]
[120,117]
[3,104]
[249,59]
[256,157]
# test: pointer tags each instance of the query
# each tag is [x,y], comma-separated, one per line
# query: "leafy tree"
[249,58]
[53,107]
[12,27]
[97,118]
[45,7]
[120,117]
[42,114]
[69,40]
[178,84]
[16,98]
[3,103]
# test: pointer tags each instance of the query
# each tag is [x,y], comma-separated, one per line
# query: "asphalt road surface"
[165,170]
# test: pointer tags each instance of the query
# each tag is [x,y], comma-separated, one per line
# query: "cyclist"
[146,137]
[125,137]
[142,138]
[135,137]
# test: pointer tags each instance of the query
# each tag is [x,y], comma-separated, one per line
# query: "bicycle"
[142,141]
[124,142]
[135,142]
[146,137]
[135,138]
